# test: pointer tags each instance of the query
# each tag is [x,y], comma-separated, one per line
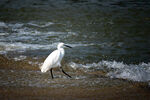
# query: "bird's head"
[62,45]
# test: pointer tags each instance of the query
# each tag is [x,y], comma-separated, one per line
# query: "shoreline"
[123,90]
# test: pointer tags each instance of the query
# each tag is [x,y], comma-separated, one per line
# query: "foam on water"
[33,23]
[139,72]
[18,46]
[30,36]
[16,25]
[23,46]
[21,57]
[21,36]
[3,25]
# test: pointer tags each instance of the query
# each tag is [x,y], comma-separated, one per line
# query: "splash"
[139,72]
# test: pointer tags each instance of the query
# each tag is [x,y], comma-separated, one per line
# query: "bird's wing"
[53,58]
[51,61]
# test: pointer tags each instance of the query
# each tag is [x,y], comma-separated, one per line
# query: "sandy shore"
[109,93]
[127,91]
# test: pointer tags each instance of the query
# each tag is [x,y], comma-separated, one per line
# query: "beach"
[109,58]
[126,90]
[111,93]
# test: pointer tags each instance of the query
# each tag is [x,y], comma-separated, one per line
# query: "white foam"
[2,24]
[23,46]
[19,46]
[139,72]
[40,25]
[35,63]
[113,64]
[21,57]
[33,32]
[81,45]
[16,25]
[89,44]
[93,65]
[24,38]
[3,34]
[76,66]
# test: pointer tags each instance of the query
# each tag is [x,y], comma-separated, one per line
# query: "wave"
[22,47]
[139,72]
[18,46]
[41,25]
[32,23]
[3,25]
[21,36]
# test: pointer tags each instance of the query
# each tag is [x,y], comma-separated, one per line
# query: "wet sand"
[76,93]
[126,91]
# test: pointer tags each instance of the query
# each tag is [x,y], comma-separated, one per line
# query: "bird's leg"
[51,73]
[65,72]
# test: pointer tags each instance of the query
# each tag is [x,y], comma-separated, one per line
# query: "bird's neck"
[62,50]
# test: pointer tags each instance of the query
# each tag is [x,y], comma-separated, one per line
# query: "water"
[110,36]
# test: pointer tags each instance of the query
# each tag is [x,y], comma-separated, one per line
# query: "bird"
[54,60]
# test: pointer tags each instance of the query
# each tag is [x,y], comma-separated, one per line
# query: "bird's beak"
[68,46]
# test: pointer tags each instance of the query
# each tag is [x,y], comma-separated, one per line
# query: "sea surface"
[110,40]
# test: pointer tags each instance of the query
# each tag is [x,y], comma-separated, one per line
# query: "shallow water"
[111,37]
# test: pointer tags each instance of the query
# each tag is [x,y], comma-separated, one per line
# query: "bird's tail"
[42,69]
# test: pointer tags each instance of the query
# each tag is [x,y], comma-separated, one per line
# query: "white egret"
[54,60]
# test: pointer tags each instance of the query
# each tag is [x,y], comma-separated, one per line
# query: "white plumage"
[54,59]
